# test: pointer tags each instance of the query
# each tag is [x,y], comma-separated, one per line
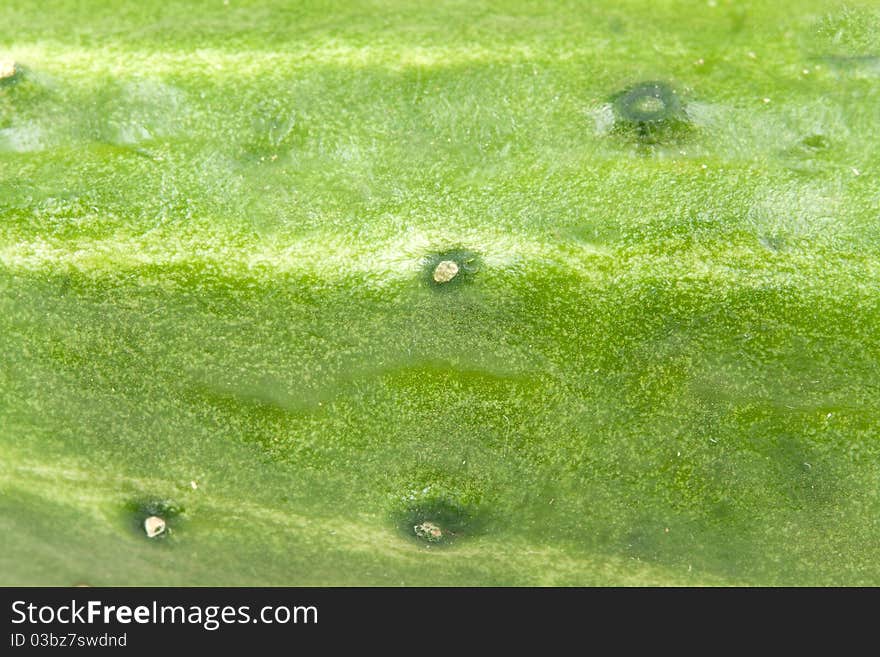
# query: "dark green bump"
[450,268]
[817,142]
[10,73]
[141,515]
[648,102]
[652,111]
[436,521]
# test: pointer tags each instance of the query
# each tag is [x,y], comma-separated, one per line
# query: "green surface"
[214,223]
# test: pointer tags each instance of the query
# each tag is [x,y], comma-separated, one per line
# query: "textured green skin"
[214,219]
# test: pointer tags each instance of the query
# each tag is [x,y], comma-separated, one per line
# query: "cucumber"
[517,293]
